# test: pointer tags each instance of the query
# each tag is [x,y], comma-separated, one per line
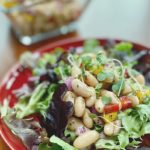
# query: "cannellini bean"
[86,139]
[92,99]
[80,88]
[90,79]
[79,107]
[74,124]
[87,120]
[111,95]
[112,128]
[117,127]
[108,129]
[75,71]
[127,89]
[69,96]
[134,99]
[99,106]
[140,78]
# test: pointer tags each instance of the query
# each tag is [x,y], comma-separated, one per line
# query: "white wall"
[125,19]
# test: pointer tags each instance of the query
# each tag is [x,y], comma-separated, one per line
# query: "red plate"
[17,78]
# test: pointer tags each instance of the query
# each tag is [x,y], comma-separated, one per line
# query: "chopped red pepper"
[125,102]
[111,108]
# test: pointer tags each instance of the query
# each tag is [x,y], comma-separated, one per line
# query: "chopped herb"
[87,61]
[92,115]
[101,58]
[83,72]
[104,75]
[97,88]
[106,100]
[120,84]
[63,70]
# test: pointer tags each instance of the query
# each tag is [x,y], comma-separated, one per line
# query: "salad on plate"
[86,98]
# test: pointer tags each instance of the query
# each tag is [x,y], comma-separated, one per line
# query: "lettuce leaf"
[107,144]
[57,114]
[38,102]
[45,146]
[56,144]
[61,143]
[123,138]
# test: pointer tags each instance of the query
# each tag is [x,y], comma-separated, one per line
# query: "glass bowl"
[36,20]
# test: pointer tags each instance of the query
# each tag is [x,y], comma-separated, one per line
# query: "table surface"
[128,20]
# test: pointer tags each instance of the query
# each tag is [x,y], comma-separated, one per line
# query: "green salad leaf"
[38,102]
[105,75]
[106,100]
[123,138]
[90,45]
[60,142]
[101,58]
[45,146]
[87,61]
[47,58]
[118,86]
[107,144]
[124,47]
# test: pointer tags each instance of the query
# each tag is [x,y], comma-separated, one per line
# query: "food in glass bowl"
[88,97]
[44,16]
[33,21]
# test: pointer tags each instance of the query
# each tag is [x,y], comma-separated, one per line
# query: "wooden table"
[129,20]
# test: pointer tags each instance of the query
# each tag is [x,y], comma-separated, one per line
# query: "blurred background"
[121,19]
[28,26]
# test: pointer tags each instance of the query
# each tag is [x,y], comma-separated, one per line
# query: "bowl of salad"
[78,95]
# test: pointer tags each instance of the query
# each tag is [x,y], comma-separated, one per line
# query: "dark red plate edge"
[49,47]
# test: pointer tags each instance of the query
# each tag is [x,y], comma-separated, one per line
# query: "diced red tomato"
[125,102]
[111,108]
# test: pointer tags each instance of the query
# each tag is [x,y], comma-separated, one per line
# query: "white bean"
[127,89]
[80,88]
[75,71]
[69,96]
[112,128]
[86,139]
[108,129]
[140,78]
[90,79]
[87,120]
[134,100]
[117,127]
[79,107]
[99,106]
[74,123]
[111,95]
[92,99]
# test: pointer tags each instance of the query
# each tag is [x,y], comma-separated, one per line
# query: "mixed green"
[88,98]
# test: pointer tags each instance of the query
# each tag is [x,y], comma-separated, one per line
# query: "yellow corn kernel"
[110,117]
[139,94]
